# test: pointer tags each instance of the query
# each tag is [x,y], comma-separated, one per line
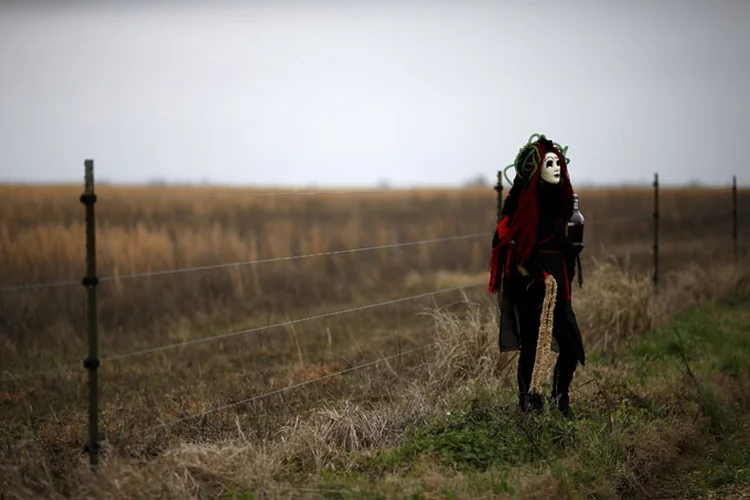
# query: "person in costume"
[532,266]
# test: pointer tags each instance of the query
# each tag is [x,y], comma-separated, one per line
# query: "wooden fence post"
[88,198]
[499,189]
[656,232]
[734,219]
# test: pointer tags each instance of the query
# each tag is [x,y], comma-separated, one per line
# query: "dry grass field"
[149,230]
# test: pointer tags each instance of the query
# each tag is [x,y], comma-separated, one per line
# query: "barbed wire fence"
[91,281]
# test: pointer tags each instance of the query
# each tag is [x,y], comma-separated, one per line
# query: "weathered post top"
[88,176]
[499,188]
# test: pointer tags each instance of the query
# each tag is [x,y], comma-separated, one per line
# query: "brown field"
[42,238]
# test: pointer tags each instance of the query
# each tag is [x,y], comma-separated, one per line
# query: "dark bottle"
[575,224]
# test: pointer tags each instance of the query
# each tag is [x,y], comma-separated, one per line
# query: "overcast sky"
[352,93]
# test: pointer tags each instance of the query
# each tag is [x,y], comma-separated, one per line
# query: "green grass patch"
[677,391]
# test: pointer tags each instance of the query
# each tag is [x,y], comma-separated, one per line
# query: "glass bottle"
[575,224]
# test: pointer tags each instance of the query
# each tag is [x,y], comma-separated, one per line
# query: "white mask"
[551,168]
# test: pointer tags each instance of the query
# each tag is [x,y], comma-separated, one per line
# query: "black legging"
[567,360]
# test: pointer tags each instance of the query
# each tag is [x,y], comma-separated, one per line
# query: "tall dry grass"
[147,230]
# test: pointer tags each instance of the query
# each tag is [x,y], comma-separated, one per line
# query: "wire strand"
[187,343]
[39,286]
[104,279]
[229,194]
[283,389]
[16,195]
[615,220]
[285,323]
[14,377]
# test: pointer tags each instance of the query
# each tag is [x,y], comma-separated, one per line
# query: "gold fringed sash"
[544,342]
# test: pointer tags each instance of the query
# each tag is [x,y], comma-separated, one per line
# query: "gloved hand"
[573,262]
[573,250]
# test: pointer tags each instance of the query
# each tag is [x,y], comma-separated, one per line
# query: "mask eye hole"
[549,163]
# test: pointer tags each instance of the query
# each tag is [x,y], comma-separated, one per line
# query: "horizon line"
[385,185]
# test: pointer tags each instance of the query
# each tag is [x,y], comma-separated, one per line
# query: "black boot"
[562,401]
[525,365]
[534,403]
[563,376]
